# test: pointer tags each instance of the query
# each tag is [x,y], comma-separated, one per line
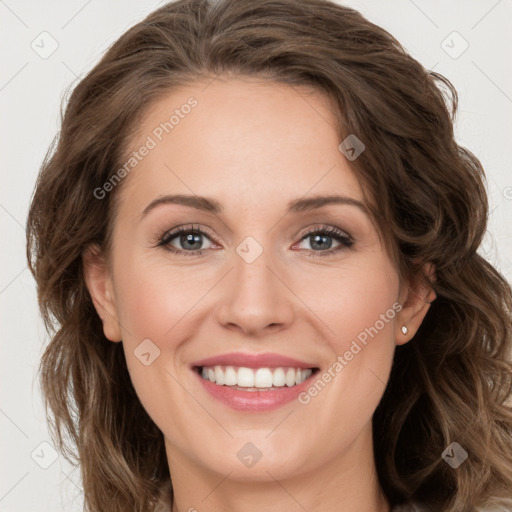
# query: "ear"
[99,284]
[415,297]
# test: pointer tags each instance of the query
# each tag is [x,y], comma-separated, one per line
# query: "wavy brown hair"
[452,382]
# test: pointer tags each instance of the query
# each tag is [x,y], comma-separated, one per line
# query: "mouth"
[243,378]
[254,383]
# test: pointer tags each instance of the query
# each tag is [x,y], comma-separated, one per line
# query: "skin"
[254,145]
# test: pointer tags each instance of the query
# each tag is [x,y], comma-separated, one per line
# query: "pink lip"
[266,360]
[253,401]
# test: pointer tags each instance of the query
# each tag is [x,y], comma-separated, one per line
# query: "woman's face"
[303,284]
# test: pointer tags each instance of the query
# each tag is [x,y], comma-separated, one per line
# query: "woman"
[255,243]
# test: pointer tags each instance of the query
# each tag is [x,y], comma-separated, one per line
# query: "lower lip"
[254,401]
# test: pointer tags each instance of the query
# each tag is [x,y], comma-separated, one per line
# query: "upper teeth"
[255,377]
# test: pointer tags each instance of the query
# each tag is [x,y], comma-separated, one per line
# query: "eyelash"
[343,238]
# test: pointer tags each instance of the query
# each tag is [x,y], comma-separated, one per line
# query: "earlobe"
[99,284]
[415,299]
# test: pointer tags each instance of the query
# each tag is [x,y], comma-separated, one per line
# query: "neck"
[346,483]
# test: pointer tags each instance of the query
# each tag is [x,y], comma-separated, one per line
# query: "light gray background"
[31,90]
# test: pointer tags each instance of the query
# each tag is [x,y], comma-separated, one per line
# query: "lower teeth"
[240,388]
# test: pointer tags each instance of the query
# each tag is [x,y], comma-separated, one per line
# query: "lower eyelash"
[341,237]
[197,252]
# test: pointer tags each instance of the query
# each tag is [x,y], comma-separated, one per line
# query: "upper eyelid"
[325,227]
[171,233]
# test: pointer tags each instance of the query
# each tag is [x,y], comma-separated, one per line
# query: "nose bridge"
[253,277]
[252,263]
[256,297]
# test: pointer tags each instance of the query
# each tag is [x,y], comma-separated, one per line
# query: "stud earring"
[404,329]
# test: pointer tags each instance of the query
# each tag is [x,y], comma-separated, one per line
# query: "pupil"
[191,239]
[318,239]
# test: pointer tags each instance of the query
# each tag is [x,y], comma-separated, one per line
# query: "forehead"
[248,142]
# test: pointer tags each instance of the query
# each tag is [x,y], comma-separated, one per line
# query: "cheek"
[154,299]
[156,303]
[359,307]
[352,300]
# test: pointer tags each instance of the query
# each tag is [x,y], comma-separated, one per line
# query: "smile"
[251,382]
[255,379]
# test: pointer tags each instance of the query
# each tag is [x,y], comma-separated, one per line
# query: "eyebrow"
[211,205]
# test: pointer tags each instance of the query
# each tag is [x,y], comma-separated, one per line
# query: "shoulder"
[409,507]
[499,505]
[492,506]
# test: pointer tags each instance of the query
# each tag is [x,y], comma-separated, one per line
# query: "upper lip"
[266,360]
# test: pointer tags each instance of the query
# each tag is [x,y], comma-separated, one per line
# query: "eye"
[188,239]
[320,240]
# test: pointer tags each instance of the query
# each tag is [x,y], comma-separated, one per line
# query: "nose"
[256,298]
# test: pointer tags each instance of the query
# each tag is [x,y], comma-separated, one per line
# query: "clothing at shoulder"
[502,506]
[409,507]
